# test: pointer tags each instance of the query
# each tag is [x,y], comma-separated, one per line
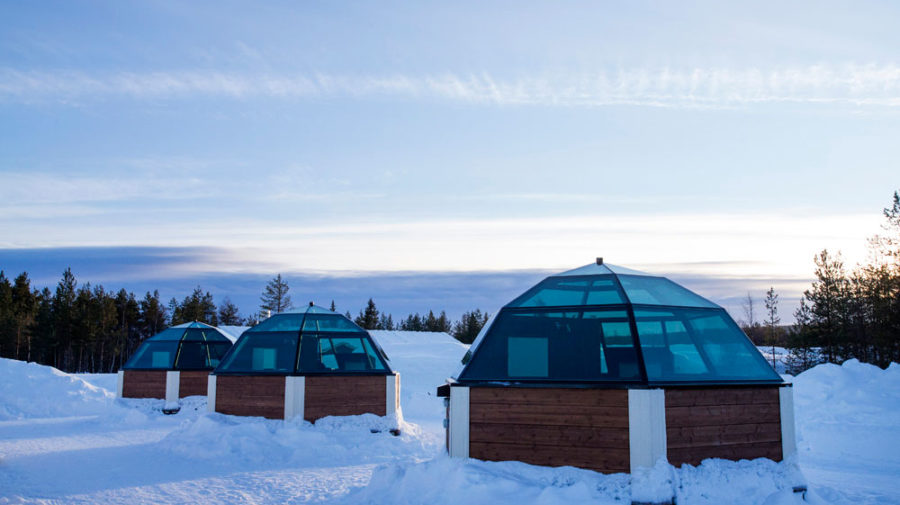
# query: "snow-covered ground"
[65,439]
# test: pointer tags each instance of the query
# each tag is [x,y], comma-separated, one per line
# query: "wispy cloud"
[850,84]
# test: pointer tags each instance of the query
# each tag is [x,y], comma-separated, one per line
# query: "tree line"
[845,314]
[85,328]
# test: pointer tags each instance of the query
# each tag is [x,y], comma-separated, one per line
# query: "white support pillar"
[120,383]
[646,427]
[211,393]
[788,435]
[173,381]
[294,396]
[392,395]
[459,422]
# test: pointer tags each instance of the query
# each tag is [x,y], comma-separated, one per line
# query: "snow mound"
[451,481]
[332,440]
[29,390]
[853,392]
[744,482]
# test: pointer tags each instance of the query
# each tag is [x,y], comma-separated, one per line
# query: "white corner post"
[173,379]
[392,395]
[459,422]
[120,383]
[294,396]
[646,427]
[211,393]
[788,435]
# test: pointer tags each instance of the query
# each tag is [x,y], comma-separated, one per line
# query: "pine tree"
[63,312]
[228,313]
[368,319]
[24,306]
[772,321]
[7,318]
[275,297]
[153,314]
[198,306]
[469,325]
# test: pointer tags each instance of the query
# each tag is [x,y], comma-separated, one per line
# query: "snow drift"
[29,390]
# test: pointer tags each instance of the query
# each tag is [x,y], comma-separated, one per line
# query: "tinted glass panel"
[204,335]
[280,322]
[556,346]
[333,322]
[200,355]
[698,345]
[326,353]
[168,334]
[660,291]
[571,291]
[154,354]
[273,351]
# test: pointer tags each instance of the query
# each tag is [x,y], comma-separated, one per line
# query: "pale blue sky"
[707,141]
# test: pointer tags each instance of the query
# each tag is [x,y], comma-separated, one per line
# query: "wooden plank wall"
[242,395]
[738,423]
[344,395]
[587,428]
[192,383]
[144,384]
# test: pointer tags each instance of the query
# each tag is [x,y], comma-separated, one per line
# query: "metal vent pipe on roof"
[599,260]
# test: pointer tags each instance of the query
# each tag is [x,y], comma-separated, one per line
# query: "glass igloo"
[606,324]
[188,346]
[314,341]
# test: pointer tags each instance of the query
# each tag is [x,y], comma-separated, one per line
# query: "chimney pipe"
[599,260]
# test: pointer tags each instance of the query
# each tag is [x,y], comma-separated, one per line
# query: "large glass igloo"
[612,369]
[603,323]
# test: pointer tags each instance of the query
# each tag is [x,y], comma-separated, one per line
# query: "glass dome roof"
[313,341]
[188,346]
[602,323]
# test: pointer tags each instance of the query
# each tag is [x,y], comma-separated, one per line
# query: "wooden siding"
[344,395]
[587,428]
[144,384]
[742,423]
[241,395]
[192,383]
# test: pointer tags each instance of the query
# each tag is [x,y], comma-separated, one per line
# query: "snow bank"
[332,441]
[29,390]
[452,481]
[848,430]
[425,360]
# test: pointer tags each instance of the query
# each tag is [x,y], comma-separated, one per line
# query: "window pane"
[527,357]
[697,345]
[192,355]
[273,351]
[569,291]
[556,346]
[660,291]
[323,353]
[279,322]
[329,322]
[350,354]
[326,351]
[154,354]
[375,360]
[168,334]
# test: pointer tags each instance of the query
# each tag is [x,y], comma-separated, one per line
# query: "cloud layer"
[850,84]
